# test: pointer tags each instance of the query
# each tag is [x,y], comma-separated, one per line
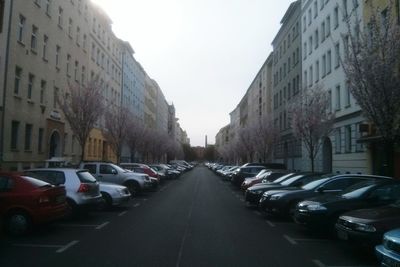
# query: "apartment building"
[325,41]
[286,85]
[44,47]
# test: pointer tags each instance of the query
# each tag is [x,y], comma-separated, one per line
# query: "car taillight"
[84,188]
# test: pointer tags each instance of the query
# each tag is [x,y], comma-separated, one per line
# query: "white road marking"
[242,199]
[145,199]
[102,225]
[77,225]
[122,213]
[270,223]
[318,263]
[291,240]
[37,246]
[69,245]
[136,205]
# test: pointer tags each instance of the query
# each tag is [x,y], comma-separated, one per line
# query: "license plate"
[342,235]
[386,261]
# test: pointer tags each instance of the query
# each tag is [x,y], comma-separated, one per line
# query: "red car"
[26,201]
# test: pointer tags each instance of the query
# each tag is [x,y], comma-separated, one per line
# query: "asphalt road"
[196,220]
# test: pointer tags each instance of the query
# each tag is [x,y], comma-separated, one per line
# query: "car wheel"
[292,208]
[107,201]
[72,209]
[133,188]
[18,223]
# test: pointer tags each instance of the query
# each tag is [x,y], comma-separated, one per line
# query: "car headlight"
[275,197]
[365,228]
[316,207]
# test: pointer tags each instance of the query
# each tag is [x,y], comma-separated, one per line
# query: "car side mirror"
[114,172]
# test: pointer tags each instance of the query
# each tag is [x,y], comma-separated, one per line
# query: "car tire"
[292,208]
[133,188]
[107,201]
[18,223]
[72,208]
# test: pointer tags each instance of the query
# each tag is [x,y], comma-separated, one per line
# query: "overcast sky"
[203,53]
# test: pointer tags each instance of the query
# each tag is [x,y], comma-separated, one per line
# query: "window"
[76,70]
[310,82]
[45,44]
[310,45]
[55,97]
[31,80]
[323,31]
[328,26]
[317,71]
[34,37]
[84,42]
[321,4]
[14,135]
[78,35]
[347,138]
[337,55]
[70,23]
[60,17]
[345,12]
[330,101]
[316,34]
[309,16]
[355,4]
[304,23]
[91,168]
[28,137]
[42,91]
[107,169]
[329,62]
[68,63]
[336,17]
[58,52]
[40,140]
[21,27]
[359,146]
[346,45]
[83,75]
[315,8]
[305,50]
[48,7]
[323,65]
[17,80]
[338,141]
[347,94]
[305,79]
[338,97]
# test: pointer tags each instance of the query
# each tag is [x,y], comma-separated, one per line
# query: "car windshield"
[119,169]
[357,189]
[283,178]
[291,180]
[86,177]
[261,173]
[314,184]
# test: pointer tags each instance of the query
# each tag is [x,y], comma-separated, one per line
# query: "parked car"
[276,166]
[26,201]
[161,171]
[83,192]
[266,176]
[284,202]
[108,172]
[140,168]
[113,194]
[367,226]
[245,172]
[254,193]
[389,252]
[323,211]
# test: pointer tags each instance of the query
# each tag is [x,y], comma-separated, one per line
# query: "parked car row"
[43,195]
[356,208]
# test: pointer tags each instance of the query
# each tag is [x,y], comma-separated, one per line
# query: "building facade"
[286,85]
[325,41]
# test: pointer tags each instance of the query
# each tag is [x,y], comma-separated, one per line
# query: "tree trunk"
[83,145]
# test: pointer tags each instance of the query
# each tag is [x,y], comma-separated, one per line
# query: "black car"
[367,226]
[244,172]
[323,211]
[284,202]
[254,193]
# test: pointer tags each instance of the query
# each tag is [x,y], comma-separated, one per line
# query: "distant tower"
[206,142]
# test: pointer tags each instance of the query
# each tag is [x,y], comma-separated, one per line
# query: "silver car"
[82,188]
[113,194]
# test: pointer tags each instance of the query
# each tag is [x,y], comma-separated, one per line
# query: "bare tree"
[82,107]
[312,120]
[134,136]
[264,135]
[371,66]
[116,128]
[244,143]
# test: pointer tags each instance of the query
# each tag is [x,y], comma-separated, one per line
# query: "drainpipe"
[5,85]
